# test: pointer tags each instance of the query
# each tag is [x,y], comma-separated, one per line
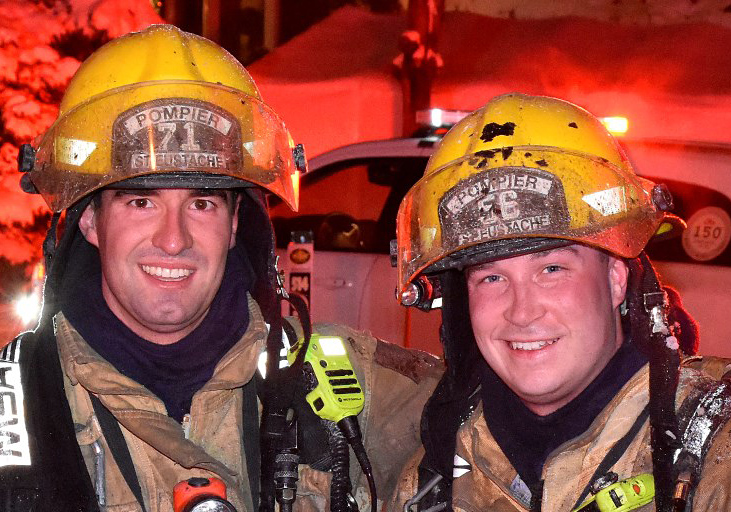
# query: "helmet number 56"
[501,204]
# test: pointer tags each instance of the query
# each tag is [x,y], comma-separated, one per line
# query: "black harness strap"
[115,439]
[614,454]
[51,431]
[278,430]
[536,497]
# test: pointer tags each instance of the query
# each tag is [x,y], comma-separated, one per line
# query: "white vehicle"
[349,200]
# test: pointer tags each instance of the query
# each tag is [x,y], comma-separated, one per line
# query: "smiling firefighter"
[569,385]
[139,390]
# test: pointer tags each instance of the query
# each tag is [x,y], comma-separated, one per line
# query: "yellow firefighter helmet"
[520,174]
[163,107]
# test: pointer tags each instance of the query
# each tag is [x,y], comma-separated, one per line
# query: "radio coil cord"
[340,485]
[351,430]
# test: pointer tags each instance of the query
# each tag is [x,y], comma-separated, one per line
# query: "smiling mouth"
[531,345]
[172,274]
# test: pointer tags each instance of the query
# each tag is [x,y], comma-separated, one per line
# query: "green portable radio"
[335,392]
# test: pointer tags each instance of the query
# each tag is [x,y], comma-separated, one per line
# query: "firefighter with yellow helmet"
[139,388]
[568,385]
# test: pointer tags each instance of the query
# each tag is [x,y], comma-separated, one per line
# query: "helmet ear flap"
[256,236]
[457,337]
[454,395]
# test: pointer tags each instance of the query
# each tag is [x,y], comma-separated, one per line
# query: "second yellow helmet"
[520,174]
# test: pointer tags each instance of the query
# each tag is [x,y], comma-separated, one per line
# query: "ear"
[87,225]
[235,222]
[618,276]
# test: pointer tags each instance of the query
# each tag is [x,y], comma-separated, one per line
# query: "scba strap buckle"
[201,495]
[656,304]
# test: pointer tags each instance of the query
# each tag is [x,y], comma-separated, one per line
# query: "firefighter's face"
[547,323]
[163,254]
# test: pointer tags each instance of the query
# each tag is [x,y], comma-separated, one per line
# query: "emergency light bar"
[437,117]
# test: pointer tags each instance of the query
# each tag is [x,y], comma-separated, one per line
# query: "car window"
[350,206]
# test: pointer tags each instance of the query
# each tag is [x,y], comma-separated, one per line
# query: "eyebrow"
[549,252]
[195,192]
[207,192]
[533,256]
[122,192]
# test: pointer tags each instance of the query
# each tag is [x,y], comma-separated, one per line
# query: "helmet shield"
[180,129]
[495,204]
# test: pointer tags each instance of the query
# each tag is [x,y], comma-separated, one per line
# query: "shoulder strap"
[120,450]
[46,485]
[118,446]
[614,454]
[435,473]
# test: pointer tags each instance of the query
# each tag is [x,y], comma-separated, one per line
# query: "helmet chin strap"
[56,253]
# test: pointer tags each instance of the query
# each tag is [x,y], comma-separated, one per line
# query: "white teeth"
[531,345]
[167,273]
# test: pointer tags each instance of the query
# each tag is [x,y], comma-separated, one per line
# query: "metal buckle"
[655,304]
[423,492]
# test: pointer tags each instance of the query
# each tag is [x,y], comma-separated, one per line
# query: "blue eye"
[491,279]
[552,268]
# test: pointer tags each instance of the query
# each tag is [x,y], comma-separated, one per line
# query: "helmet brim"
[496,250]
[189,180]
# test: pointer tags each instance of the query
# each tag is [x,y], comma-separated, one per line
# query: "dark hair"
[96,200]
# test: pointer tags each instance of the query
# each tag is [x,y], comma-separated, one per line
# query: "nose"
[525,305]
[172,234]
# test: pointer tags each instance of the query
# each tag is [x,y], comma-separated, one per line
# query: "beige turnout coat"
[490,483]
[396,385]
